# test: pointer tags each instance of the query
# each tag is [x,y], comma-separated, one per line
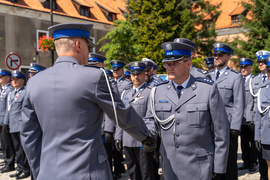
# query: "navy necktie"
[134,92]
[218,73]
[264,77]
[179,88]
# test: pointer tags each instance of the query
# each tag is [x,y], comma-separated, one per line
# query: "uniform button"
[177,146]
[177,134]
[178,111]
[177,122]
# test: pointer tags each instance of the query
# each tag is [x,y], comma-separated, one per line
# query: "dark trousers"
[21,160]
[249,151]
[263,168]
[108,148]
[7,148]
[118,160]
[232,169]
[140,164]
[114,157]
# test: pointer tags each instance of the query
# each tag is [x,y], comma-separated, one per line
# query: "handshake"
[149,144]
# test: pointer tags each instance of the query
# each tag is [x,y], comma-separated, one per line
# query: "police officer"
[109,129]
[35,68]
[13,122]
[249,151]
[119,76]
[6,139]
[262,117]
[258,81]
[209,63]
[196,72]
[231,87]
[186,109]
[96,59]
[127,74]
[109,72]
[139,163]
[150,79]
[62,127]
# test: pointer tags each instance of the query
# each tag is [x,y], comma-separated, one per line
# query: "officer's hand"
[5,129]
[118,145]
[149,144]
[235,133]
[108,137]
[250,125]
[218,176]
[258,145]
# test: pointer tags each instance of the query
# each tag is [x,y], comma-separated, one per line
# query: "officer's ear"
[188,63]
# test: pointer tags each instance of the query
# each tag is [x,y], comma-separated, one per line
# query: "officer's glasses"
[89,42]
[173,64]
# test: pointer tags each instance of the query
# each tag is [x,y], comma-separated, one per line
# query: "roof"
[67,8]
[228,8]
[238,10]
[83,3]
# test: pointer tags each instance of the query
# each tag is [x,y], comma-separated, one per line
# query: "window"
[46,4]
[93,50]
[236,19]
[41,33]
[111,17]
[85,11]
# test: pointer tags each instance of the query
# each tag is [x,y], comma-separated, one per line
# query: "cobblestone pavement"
[242,175]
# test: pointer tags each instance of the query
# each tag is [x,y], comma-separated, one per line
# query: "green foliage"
[123,44]
[159,21]
[258,34]
[198,62]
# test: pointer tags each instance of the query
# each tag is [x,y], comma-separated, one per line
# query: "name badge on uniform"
[126,99]
[163,101]
[264,102]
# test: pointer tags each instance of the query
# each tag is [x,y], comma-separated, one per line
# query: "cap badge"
[168,47]
[218,45]
[260,53]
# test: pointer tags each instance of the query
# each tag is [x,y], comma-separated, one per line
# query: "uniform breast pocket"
[227,90]
[163,110]
[197,115]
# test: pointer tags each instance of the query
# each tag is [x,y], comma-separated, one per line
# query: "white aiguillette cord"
[161,122]
[108,84]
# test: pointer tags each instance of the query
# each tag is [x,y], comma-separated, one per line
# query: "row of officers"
[11,101]
[189,124]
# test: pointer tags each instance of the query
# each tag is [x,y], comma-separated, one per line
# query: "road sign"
[13,61]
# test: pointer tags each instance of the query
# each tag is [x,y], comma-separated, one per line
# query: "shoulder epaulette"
[237,72]
[128,86]
[163,82]
[256,75]
[201,71]
[88,65]
[205,80]
[212,70]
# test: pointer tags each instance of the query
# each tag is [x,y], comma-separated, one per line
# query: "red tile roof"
[66,8]
[228,8]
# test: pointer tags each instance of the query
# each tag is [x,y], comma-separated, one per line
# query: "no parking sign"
[13,61]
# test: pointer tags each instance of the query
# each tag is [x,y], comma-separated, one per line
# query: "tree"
[159,21]
[258,35]
[123,43]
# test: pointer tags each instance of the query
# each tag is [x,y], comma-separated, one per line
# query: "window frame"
[37,37]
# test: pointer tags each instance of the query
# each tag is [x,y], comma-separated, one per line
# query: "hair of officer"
[64,45]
